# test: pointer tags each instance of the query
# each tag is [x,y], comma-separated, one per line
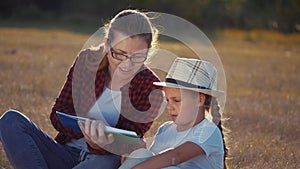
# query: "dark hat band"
[185,84]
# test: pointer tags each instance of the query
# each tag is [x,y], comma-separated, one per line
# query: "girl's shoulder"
[205,123]
[206,129]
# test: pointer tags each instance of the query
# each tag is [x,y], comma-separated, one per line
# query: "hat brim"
[214,93]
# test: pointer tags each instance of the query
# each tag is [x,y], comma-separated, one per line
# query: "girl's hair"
[212,104]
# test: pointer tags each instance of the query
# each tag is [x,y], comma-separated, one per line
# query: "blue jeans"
[28,147]
[100,161]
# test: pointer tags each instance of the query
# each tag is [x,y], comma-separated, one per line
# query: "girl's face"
[183,107]
[122,72]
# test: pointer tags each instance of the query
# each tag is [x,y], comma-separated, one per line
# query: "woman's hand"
[93,132]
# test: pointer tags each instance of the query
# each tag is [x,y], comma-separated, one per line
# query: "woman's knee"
[11,118]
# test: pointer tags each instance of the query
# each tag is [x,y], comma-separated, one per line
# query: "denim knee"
[10,120]
[10,116]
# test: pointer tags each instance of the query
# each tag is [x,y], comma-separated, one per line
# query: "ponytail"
[212,104]
[215,111]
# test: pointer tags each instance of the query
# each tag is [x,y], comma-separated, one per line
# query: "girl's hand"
[93,132]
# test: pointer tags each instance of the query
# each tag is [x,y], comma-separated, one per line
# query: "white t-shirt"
[205,134]
[106,108]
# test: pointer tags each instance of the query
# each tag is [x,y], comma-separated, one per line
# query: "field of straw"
[263,94]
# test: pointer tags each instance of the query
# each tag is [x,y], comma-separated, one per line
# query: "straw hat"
[192,74]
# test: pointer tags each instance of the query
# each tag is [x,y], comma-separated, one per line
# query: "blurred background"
[258,42]
[279,15]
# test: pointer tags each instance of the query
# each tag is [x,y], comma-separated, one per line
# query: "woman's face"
[183,107]
[126,48]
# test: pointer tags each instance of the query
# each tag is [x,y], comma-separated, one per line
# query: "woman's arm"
[180,154]
[64,101]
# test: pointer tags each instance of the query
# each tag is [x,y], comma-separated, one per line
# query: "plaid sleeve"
[146,102]
[64,103]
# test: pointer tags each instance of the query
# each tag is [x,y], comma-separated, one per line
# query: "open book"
[71,122]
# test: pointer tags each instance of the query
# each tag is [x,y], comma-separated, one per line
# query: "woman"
[108,83]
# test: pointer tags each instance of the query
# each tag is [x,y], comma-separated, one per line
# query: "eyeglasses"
[134,58]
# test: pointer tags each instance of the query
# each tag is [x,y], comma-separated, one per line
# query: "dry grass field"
[263,85]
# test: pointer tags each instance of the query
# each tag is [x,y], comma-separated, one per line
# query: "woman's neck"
[109,84]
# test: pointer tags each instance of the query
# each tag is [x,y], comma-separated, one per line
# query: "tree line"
[280,15]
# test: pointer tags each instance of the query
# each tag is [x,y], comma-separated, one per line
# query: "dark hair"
[212,104]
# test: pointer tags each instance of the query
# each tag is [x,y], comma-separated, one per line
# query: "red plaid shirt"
[140,102]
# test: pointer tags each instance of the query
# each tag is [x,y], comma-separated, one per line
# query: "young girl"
[190,140]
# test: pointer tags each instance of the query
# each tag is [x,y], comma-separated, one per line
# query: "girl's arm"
[180,154]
